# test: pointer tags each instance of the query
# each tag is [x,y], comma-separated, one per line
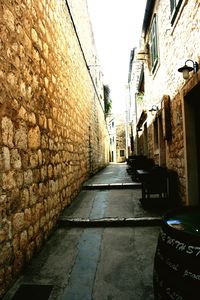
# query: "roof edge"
[132,55]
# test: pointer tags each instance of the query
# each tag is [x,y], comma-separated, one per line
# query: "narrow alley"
[102,248]
[76,176]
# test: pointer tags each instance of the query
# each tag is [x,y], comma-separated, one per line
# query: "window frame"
[153,44]
[174,9]
[121,151]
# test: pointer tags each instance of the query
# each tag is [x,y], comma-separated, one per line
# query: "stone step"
[111,186]
[109,222]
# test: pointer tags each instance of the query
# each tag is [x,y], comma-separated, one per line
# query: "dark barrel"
[177,259]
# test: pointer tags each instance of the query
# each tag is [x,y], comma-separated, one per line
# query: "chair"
[155,183]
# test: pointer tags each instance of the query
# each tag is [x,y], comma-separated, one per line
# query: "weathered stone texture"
[52,127]
[176,43]
[171,57]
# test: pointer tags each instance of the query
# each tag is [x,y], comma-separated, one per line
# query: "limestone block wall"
[176,146]
[150,141]
[79,11]
[52,128]
[176,44]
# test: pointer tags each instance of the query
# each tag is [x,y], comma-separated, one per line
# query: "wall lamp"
[153,110]
[186,69]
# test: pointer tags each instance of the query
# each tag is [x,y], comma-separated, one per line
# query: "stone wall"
[176,44]
[176,159]
[52,127]
[79,11]
[150,141]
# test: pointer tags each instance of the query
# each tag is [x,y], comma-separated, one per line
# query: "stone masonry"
[176,43]
[52,127]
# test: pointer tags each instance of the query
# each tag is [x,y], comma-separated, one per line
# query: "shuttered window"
[153,44]
[174,7]
[122,153]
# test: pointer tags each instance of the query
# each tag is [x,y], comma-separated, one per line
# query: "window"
[121,153]
[174,6]
[153,44]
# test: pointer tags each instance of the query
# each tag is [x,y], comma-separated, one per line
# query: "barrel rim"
[173,230]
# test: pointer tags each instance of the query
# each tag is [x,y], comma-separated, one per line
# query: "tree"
[107,100]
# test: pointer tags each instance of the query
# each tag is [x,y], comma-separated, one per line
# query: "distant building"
[117,137]
[120,138]
[112,137]
[135,99]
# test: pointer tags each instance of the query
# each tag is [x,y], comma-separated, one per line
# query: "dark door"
[192,127]
[197,132]
[112,159]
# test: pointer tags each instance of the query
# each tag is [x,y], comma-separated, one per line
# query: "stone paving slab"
[114,173]
[95,264]
[96,204]
[101,262]
[126,264]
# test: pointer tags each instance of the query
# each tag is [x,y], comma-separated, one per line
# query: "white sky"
[117,27]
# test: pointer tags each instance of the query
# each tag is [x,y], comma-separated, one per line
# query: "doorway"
[192,134]
[112,157]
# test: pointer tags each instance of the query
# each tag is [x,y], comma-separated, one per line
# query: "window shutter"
[172,5]
[153,44]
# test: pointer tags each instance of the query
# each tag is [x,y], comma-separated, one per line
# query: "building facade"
[112,137]
[120,125]
[135,101]
[168,126]
[118,138]
[53,134]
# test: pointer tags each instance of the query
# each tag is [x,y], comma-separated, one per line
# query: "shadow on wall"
[173,188]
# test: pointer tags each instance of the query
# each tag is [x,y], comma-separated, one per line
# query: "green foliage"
[139,97]
[107,100]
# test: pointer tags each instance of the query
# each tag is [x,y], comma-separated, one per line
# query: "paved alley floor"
[102,249]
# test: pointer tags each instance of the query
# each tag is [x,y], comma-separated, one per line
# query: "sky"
[117,27]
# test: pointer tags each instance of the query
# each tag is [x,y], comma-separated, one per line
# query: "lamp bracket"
[154,108]
[195,65]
